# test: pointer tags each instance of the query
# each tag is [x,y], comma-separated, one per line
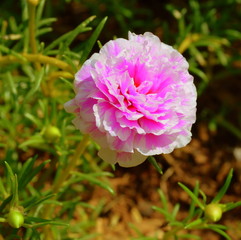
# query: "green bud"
[15,218]
[51,134]
[213,212]
[33,2]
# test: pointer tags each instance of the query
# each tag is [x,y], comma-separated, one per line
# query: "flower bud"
[213,212]
[51,134]
[15,218]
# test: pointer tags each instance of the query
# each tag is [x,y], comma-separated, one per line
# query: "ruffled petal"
[135,98]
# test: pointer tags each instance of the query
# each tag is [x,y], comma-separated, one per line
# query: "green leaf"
[229,206]
[175,223]
[31,234]
[198,55]
[113,167]
[204,197]
[201,88]
[162,211]
[14,186]
[13,25]
[224,188]
[199,73]
[26,168]
[36,201]
[35,87]
[43,31]
[99,44]
[192,205]
[29,72]
[13,183]
[11,83]
[211,41]
[3,191]
[175,211]
[46,21]
[153,161]
[12,52]
[38,142]
[3,145]
[223,58]
[219,226]
[70,62]
[37,222]
[29,173]
[219,231]
[64,37]
[67,83]
[93,180]
[92,40]
[71,38]
[235,34]
[101,174]
[15,198]
[136,229]
[5,203]
[192,195]
[98,209]
[163,200]
[34,119]
[10,173]
[39,11]
[194,224]
[86,205]
[229,126]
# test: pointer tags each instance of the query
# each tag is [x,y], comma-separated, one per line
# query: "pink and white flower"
[135,98]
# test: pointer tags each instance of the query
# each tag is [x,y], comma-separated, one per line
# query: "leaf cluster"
[37,139]
[196,218]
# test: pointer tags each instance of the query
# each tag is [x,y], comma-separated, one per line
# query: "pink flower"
[135,98]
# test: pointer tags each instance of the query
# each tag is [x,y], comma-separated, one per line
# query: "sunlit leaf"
[29,172]
[37,222]
[36,201]
[94,180]
[77,30]
[192,195]
[153,161]
[92,40]
[194,224]
[224,188]
[221,232]
[230,206]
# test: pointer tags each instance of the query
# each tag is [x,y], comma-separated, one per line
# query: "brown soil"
[136,191]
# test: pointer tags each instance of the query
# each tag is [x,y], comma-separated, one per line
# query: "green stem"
[39,58]
[31,26]
[67,171]
[60,181]
[71,165]
[3,190]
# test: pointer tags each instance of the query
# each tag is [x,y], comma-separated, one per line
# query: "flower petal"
[124,159]
[135,98]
